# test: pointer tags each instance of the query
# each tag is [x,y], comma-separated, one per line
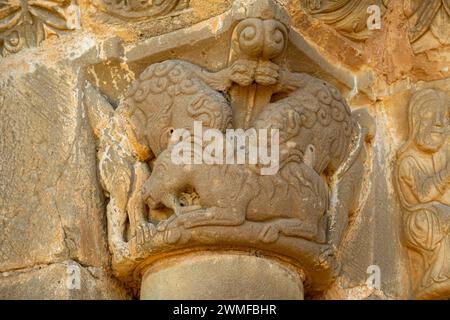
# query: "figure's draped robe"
[426,198]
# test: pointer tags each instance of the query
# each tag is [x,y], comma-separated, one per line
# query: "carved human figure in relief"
[423,179]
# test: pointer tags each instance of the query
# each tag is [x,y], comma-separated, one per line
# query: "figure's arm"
[424,187]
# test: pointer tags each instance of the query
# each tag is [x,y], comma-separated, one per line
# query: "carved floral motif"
[26,23]
[174,206]
[135,9]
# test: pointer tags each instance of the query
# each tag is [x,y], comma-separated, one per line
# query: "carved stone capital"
[160,208]
[423,185]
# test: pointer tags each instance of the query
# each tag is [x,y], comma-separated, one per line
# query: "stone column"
[216,275]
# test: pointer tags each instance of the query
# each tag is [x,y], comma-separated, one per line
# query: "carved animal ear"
[309,157]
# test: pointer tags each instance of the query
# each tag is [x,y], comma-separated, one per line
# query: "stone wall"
[66,67]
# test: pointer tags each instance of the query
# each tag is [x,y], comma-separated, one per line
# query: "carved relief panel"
[423,181]
[158,206]
[348,17]
[148,74]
